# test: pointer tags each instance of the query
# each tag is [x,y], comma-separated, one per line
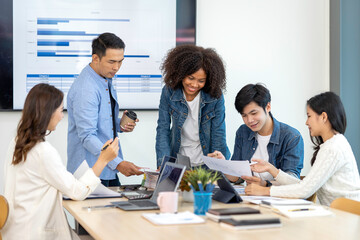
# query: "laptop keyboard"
[143,203]
[140,196]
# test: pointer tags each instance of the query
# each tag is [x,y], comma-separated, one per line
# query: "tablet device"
[226,193]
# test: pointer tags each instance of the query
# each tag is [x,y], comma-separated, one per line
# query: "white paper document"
[234,168]
[296,211]
[173,218]
[285,201]
[257,199]
[101,191]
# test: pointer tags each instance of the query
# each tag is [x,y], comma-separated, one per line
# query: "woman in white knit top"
[35,176]
[334,172]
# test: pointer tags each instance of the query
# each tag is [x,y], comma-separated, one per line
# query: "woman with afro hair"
[191,111]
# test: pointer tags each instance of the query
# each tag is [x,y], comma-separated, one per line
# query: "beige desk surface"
[114,223]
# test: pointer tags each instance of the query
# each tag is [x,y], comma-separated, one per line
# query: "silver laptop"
[165,160]
[169,180]
[183,160]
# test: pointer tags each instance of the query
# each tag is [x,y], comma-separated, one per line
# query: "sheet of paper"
[101,190]
[173,218]
[234,168]
[286,201]
[239,189]
[296,211]
[257,199]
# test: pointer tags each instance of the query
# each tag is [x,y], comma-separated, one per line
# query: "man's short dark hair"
[252,93]
[105,41]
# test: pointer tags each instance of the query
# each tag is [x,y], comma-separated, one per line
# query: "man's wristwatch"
[239,181]
[268,183]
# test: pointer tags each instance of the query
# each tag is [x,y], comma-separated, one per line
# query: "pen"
[191,186]
[104,148]
[211,187]
[201,189]
[301,209]
[207,187]
[99,206]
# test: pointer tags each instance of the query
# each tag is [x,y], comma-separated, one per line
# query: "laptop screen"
[183,160]
[169,179]
[165,160]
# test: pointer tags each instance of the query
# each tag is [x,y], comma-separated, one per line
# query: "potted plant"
[201,182]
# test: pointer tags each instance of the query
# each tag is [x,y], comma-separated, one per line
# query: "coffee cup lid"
[132,115]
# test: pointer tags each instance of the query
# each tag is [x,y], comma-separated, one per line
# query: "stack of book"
[227,213]
[242,218]
[244,224]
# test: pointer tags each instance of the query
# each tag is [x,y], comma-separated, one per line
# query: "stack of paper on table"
[227,213]
[100,191]
[284,202]
[257,199]
[239,189]
[173,218]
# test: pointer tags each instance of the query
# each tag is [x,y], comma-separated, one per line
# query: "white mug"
[168,202]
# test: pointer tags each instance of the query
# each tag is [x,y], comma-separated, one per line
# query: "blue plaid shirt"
[90,121]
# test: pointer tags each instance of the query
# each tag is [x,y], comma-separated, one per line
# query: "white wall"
[282,43]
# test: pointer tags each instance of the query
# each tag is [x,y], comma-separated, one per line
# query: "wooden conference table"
[113,223]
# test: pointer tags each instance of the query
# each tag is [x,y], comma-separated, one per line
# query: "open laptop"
[165,160]
[169,180]
[145,193]
[183,160]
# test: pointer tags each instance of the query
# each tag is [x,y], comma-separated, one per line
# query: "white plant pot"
[188,196]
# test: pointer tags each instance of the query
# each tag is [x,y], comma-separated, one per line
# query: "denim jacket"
[173,111]
[285,148]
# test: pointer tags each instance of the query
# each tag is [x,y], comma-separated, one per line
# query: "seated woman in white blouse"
[35,177]
[334,172]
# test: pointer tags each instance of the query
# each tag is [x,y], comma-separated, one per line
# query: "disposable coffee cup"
[128,117]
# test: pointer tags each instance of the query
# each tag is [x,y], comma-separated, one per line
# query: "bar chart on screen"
[52,44]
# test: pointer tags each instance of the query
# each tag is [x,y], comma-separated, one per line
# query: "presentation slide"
[52,44]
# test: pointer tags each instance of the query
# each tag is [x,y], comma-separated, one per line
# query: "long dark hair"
[40,104]
[331,104]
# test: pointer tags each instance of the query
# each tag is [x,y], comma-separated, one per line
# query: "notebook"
[169,181]
[250,223]
[226,213]
[183,160]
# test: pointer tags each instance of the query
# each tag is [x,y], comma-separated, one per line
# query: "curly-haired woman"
[191,111]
